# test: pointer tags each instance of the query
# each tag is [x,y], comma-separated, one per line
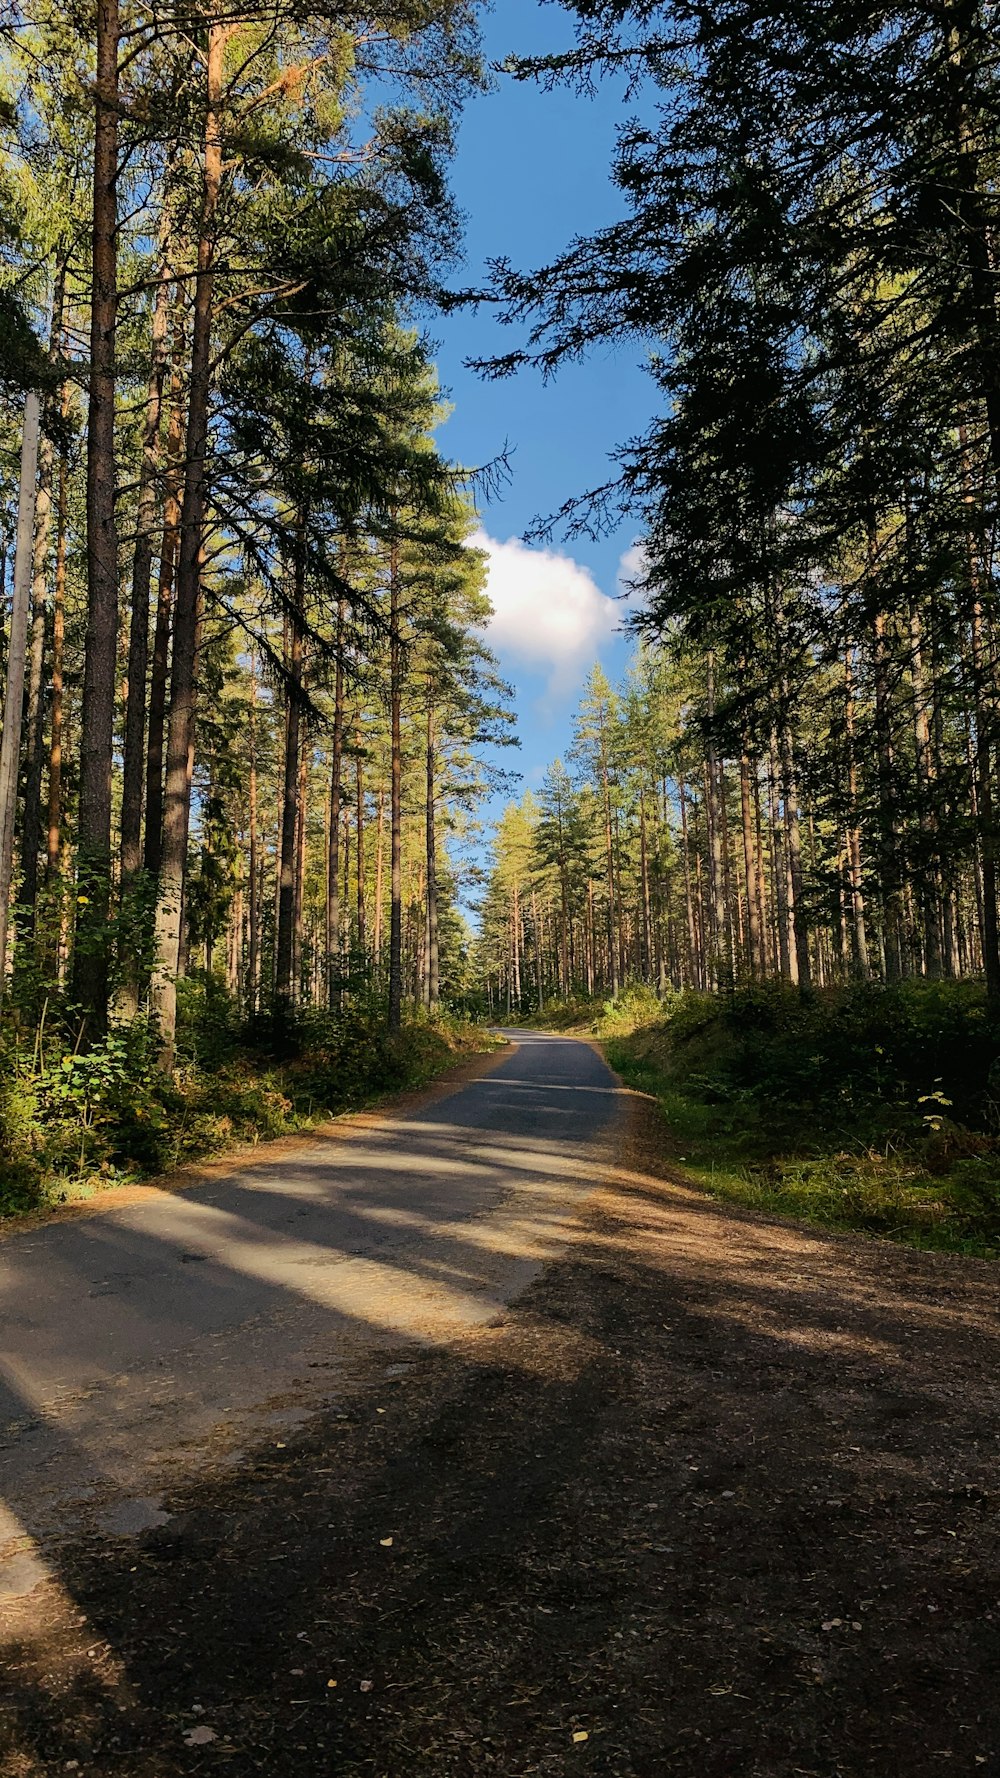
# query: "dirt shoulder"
[243,1156]
[717,1497]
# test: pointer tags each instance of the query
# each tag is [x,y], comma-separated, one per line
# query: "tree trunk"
[152,848]
[379,883]
[793,839]
[90,958]
[990,925]
[333,958]
[253,961]
[715,805]
[695,977]
[433,954]
[609,854]
[929,887]
[13,709]
[396,802]
[756,943]
[31,831]
[787,960]
[180,743]
[861,960]
[359,825]
[302,816]
[56,715]
[142,566]
[888,843]
[285,941]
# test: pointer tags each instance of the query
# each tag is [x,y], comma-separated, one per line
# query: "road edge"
[247,1156]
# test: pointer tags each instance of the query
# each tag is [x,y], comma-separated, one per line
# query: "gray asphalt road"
[172,1329]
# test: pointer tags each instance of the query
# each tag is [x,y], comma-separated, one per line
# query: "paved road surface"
[139,1341]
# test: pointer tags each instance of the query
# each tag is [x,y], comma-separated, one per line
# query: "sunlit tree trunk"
[859,927]
[793,840]
[253,959]
[359,828]
[17,644]
[90,957]
[333,919]
[755,946]
[396,800]
[169,541]
[142,567]
[285,941]
[52,863]
[180,744]
[433,953]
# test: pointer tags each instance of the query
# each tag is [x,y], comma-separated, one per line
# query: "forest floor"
[717,1496]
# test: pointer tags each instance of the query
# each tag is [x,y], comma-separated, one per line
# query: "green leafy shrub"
[74,1120]
[870,1107]
[635,1005]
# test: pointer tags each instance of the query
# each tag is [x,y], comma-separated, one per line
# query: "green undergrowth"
[872,1108]
[75,1122]
[577,1014]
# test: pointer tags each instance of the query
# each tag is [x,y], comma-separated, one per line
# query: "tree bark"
[333,956]
[302,816]
[90,958]
[755,937]
[253,959]
[793,838]
[359,823]
[153,842]
[379,885]
[396,802]
[10,738]
[142,567]
[31,830]
[861,959]
[433,954]
[180,743]
[285,942]
[58,646]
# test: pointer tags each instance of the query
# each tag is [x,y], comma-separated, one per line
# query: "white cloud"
[632,567]
[548,611]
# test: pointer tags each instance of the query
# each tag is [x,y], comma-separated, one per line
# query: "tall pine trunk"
[17,643]
[333,949]
[359,824]
[54,812]
[285,942]
[858,924]
[90,957]
[31,831]
[433,954]
[169,542]
[253,957]
[180,743]
[142,570]
[396,801]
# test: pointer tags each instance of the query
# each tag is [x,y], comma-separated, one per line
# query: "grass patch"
[869,1110]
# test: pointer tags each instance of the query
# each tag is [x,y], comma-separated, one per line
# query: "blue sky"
[531,171]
